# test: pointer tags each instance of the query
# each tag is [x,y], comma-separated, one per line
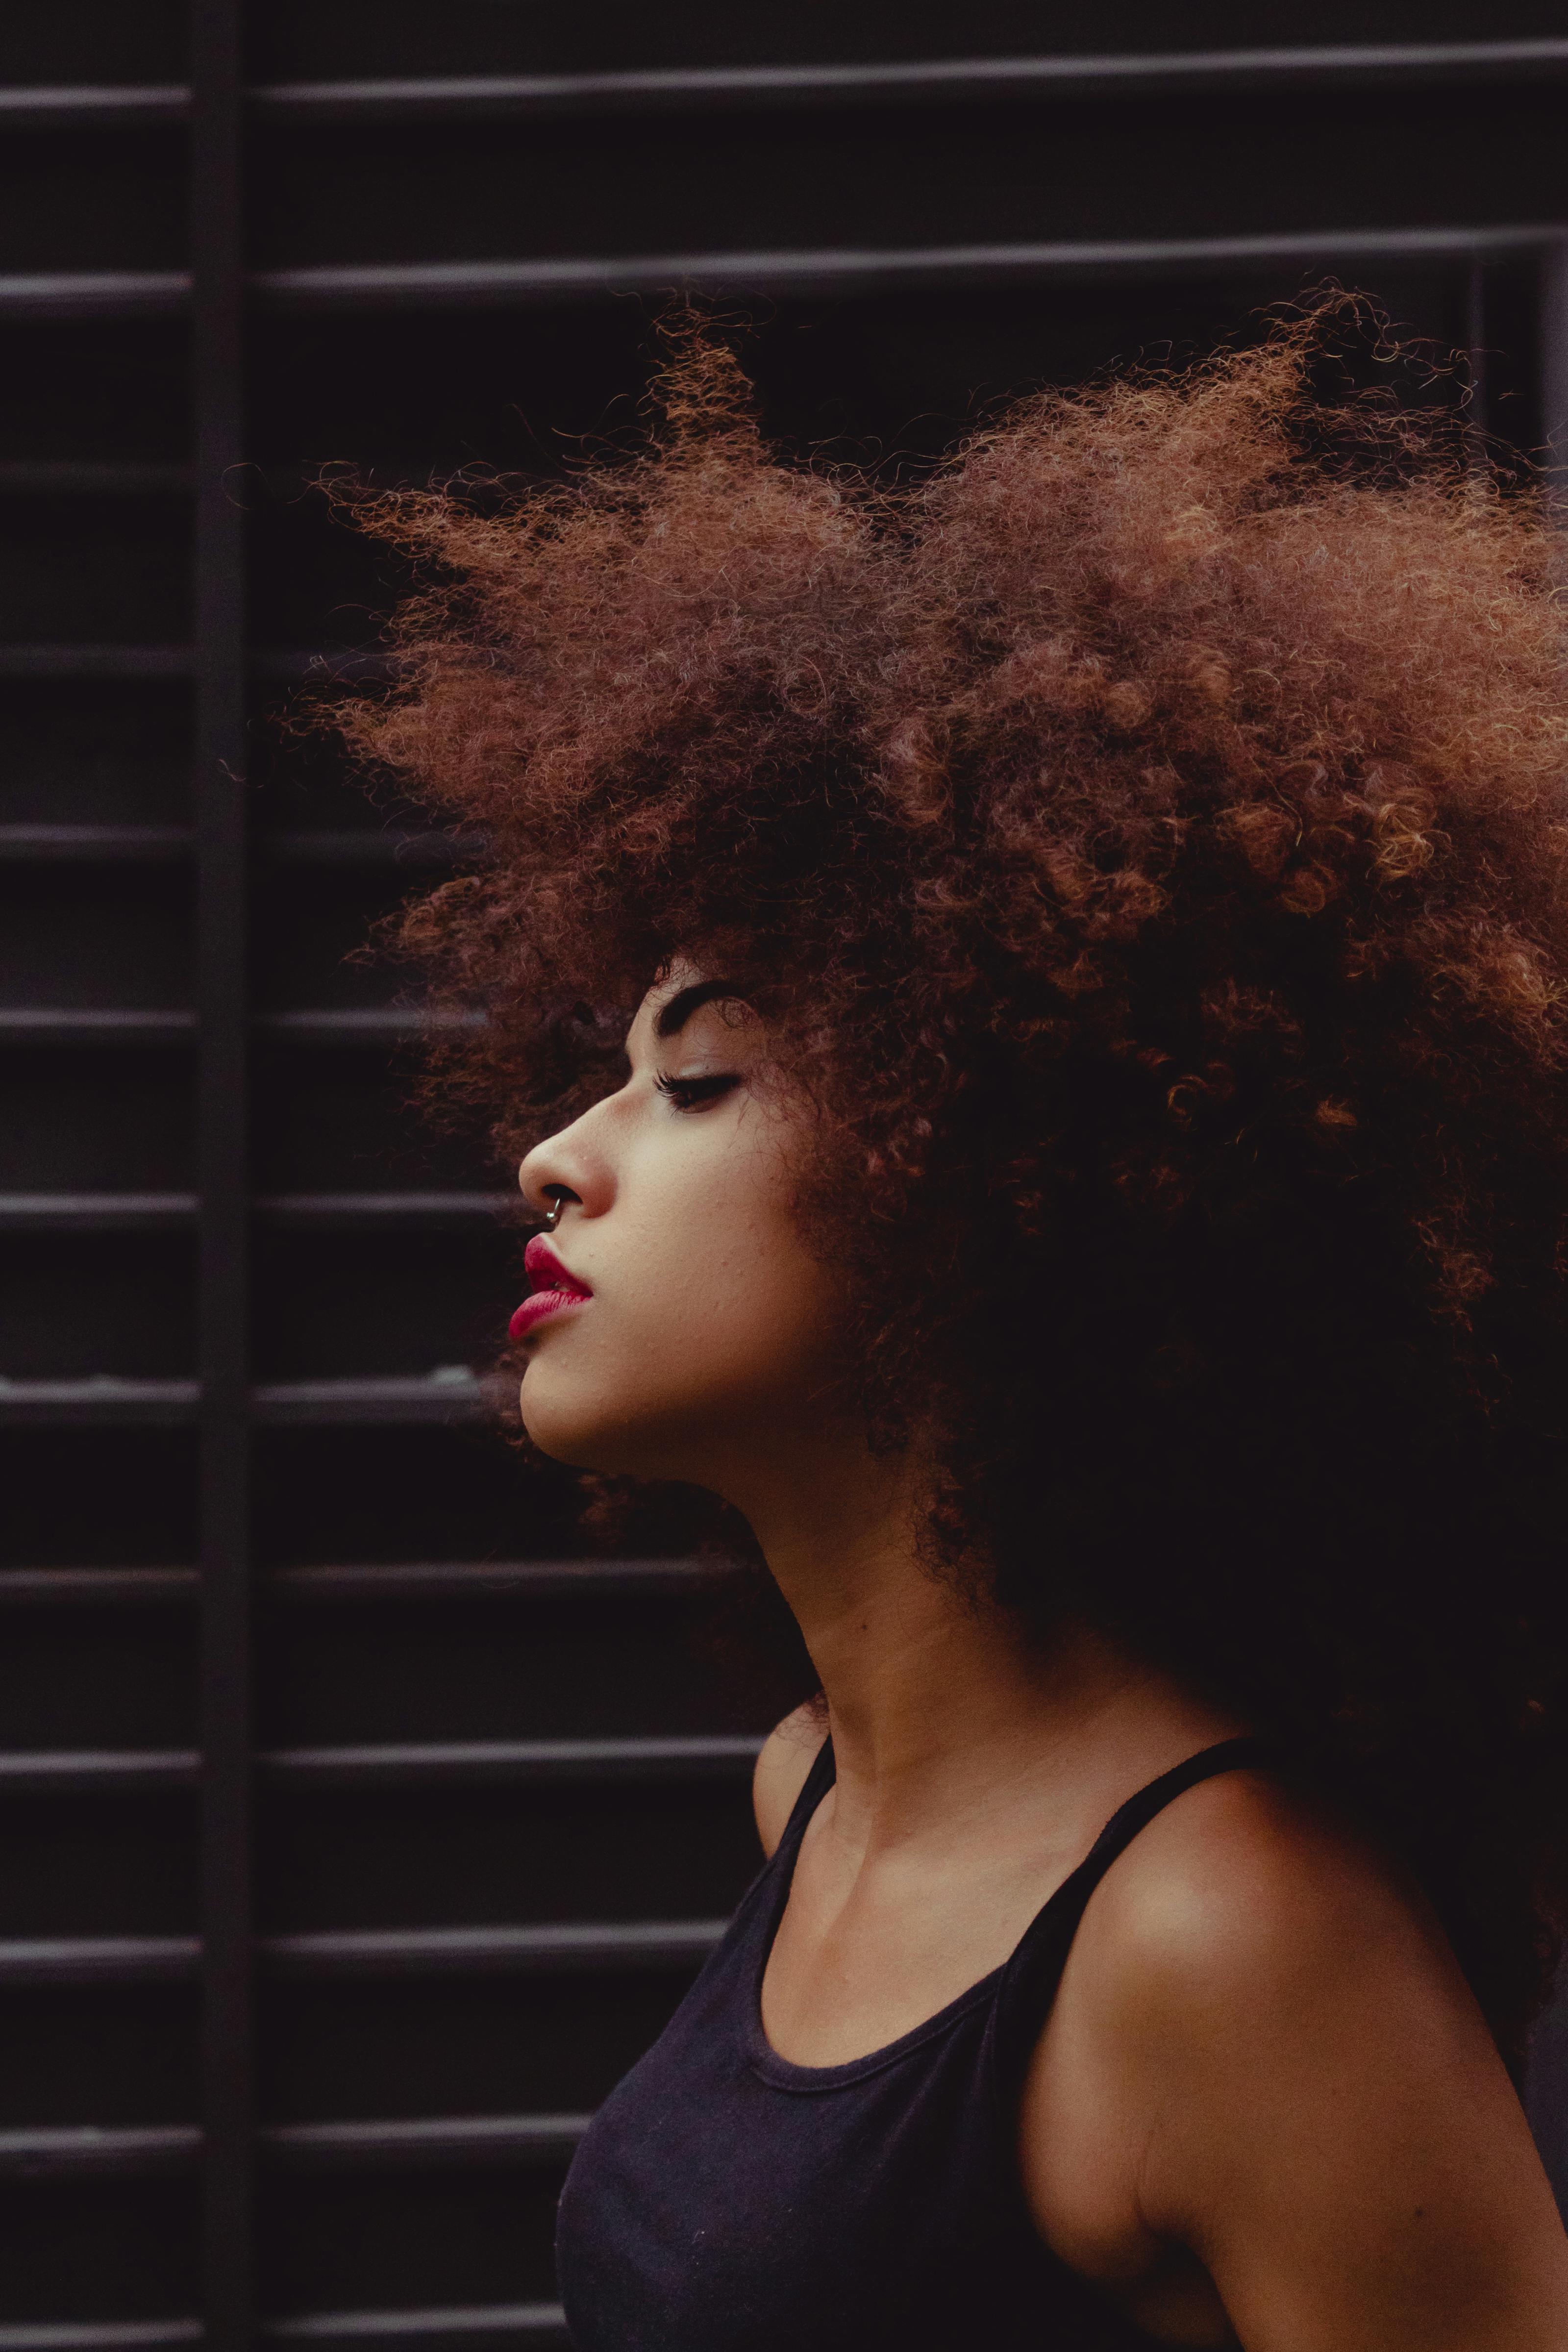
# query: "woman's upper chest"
[862,1956]
[870,1946]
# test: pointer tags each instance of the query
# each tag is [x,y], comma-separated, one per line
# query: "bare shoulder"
[1244,1913]
[788,1754]
[1245,1890]
[1263,2051]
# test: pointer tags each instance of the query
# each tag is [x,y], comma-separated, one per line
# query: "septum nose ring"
[554,1214]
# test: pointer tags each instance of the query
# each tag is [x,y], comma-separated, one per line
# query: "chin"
[581,1431]
[578,1425]
[577,1438]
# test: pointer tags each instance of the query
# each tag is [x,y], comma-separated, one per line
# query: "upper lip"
[546,1272]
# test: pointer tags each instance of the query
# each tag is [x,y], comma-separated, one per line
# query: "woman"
[1045,996]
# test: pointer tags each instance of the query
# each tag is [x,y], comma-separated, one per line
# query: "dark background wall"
[355,1832]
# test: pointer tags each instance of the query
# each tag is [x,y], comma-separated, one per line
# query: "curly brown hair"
[1147,832]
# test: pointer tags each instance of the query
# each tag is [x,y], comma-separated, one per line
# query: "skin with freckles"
[1265,2109]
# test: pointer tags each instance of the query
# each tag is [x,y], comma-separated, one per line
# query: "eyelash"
[695,1094]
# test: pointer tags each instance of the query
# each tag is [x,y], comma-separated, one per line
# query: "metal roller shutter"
[355,1833]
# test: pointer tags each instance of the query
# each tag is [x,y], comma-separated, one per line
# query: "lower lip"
[543,1303]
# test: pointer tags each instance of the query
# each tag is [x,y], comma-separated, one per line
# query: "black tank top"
[725,2201]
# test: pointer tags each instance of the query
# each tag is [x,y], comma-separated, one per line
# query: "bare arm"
[1268,2064]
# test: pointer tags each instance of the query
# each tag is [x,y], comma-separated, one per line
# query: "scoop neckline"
[784,2074]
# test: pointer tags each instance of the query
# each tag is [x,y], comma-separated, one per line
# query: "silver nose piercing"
[554,1213]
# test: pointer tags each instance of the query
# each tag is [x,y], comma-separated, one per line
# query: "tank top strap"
[824,1771]
[1030,1977]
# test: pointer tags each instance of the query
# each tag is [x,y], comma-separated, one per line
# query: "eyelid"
[705,1085]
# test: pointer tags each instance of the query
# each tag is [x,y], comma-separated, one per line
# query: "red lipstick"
[554,1288]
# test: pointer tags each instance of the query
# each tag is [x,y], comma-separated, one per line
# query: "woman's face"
[706,1331]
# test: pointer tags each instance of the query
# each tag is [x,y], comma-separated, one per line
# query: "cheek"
[726,1286]
[721,1318]
[740,1317]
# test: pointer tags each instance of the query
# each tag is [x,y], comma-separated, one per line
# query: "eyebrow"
[673,1015]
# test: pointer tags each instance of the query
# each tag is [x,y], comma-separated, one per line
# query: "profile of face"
[678,1324]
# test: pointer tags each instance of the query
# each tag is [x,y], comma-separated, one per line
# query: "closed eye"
[697,1094]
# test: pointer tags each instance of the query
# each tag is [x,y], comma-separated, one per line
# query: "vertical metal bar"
[217,361]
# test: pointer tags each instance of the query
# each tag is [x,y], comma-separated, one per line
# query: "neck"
[931,1692]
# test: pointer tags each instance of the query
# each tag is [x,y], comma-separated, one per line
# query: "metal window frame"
[924,81]
[224,1958]
[224,1406]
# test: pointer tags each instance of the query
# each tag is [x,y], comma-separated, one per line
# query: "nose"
[575,1167]
[550,1179]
